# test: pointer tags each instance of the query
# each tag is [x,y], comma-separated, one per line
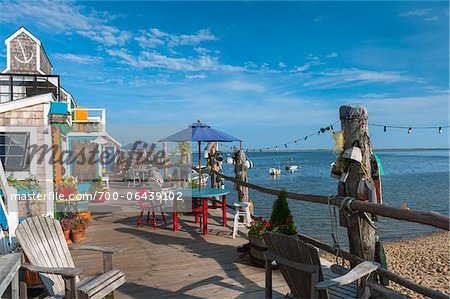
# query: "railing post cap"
[350,111]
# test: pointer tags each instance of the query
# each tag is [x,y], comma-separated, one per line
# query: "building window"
[14,151]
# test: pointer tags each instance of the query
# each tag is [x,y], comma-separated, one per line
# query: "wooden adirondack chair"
[43,242]
[301,267]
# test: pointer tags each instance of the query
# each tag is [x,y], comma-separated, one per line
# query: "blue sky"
[266,72]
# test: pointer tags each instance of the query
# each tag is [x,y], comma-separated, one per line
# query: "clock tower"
[25,54]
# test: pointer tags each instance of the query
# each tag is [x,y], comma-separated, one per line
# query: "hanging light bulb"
[276,148]
[306,137]
[285,145]
[385,128]
[296,141]
[409,130]
[331,126]
[440,130]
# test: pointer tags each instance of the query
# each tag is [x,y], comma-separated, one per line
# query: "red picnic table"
[203,196]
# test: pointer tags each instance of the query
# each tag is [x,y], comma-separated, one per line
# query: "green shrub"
[281,220]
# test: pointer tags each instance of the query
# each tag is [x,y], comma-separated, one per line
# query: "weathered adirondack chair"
[43,242]
[301,267]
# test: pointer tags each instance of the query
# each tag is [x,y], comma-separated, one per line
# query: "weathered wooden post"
[166,161]
[361,232]
[240,171]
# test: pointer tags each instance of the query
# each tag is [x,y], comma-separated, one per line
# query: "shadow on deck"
[162,263]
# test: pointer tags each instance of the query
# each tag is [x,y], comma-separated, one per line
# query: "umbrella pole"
[199,167]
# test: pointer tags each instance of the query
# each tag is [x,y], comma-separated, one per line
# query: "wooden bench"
[43,242]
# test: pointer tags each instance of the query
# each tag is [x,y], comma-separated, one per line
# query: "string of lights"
[385,127]
[331,128]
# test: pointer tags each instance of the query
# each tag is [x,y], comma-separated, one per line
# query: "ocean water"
[419,178]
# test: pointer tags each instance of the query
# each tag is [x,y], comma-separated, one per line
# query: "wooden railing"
[426,218]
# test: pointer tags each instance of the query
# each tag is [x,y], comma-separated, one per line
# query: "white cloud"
[332,55]
[418,12]
[78,58]
[106,35]
[192,39]
[158,61]
[431,19]
[126,57]
[319,19]
[339,77]
[155,37]
[65,17]
[404,109]
[196,76]
[312,61]
[281,64]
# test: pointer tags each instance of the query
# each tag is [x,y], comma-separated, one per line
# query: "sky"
[267,72]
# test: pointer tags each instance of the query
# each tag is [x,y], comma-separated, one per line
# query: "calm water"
[418,178]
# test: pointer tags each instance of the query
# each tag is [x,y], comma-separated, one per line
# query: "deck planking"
[161,263]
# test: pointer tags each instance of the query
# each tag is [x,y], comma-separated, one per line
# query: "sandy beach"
[424,259]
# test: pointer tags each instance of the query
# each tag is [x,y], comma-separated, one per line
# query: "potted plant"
[97,190]
[68,186]
[66,225]
[281,221]
[79,229]
[26,186]
[255,236]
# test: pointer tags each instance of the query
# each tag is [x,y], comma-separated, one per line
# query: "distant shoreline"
[329,150]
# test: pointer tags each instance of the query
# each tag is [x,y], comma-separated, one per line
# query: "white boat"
[290,166]
[230,160]
[275,171]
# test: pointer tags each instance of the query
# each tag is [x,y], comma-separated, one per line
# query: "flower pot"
[83,233]
[77,236]
[257,249]
[67,236]
[85,215]
[31,278]
[67,191]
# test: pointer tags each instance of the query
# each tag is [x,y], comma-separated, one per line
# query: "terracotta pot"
[31,278]
[67,236]
[83,233]
[77,236]
[67,191]
[257,249]
[85,215]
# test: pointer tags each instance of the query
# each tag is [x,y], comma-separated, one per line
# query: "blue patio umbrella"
[200,132]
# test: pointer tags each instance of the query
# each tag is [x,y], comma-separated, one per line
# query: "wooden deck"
[161,263]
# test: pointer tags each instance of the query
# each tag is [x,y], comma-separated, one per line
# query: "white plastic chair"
[242,209]
[134,177]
